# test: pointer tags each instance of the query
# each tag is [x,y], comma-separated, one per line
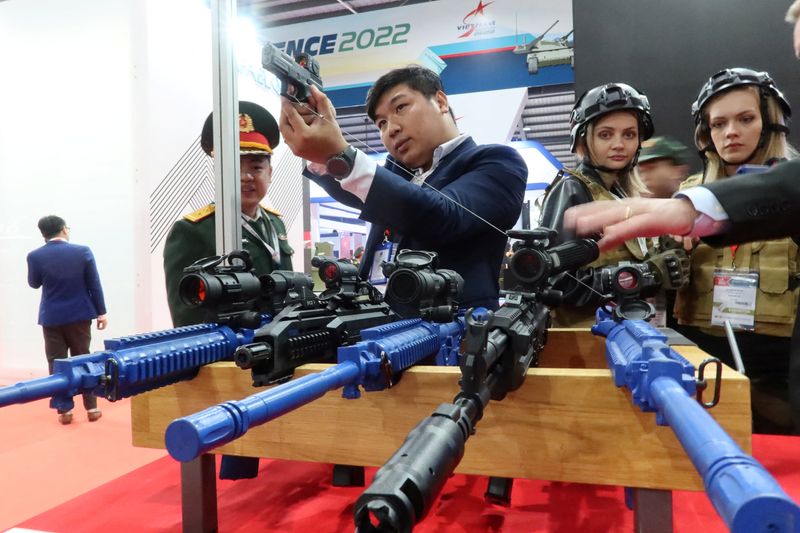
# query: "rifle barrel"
[744,494]
[32,390]
[190,436]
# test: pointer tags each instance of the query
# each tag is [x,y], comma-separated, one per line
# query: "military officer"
[263,231]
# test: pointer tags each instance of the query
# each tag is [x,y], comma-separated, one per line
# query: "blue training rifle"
[371,355]
[233,297]
[373,363]
[131,365]
[744,494]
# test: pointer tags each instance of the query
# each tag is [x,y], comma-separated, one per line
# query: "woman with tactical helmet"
[607,126]
[741,116]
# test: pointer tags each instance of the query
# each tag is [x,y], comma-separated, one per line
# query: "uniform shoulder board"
[200,214]
[270,210]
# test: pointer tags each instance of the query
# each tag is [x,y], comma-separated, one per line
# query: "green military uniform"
[194,238]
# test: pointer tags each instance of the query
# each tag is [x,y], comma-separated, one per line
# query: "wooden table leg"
[199,494]
[652,510]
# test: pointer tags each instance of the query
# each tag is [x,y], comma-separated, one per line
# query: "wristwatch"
[340,165]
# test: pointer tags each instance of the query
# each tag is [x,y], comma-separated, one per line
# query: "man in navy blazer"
[71,298]
[439,191]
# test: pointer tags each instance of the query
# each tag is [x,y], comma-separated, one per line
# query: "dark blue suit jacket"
[488,180]
[71,290]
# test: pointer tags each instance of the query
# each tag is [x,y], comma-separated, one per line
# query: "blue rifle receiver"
[238,303]
[374,363]
[131,365]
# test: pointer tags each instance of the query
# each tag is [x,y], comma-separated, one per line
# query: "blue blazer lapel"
[442,174]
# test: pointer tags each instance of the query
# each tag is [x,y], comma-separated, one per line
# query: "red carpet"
[87,477]
[44,464]
[297,497]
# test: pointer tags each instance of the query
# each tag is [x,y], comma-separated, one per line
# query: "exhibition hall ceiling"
[271,13]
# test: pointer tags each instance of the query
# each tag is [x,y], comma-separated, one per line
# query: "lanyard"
[272,234]
[734,247]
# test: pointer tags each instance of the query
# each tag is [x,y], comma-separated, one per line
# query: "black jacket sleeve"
[760,206]
[567,192]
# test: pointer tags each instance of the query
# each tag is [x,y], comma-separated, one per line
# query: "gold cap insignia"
[245,123]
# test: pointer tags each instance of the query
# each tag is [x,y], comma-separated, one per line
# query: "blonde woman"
[741,118]
[607,126]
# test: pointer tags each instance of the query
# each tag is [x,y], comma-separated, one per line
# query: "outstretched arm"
[618,221]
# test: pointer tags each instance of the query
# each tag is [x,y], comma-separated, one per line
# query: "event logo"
[348,41]
[476,22]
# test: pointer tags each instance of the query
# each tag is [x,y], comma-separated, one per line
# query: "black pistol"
[295,74]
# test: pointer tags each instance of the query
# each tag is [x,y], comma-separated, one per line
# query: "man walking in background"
[71,298]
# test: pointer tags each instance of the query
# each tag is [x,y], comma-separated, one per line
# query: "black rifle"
[311,330]
[499,348]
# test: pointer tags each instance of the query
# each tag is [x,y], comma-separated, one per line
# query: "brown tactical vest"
[569,316]
[775,261]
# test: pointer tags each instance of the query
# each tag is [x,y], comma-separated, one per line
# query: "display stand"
[568,422]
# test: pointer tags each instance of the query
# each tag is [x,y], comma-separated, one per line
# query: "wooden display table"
[568,422]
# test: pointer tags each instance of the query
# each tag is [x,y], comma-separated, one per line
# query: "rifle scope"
[417,287]
[627,285]
[335,272]
[533,263]
[210,283]
[283,286]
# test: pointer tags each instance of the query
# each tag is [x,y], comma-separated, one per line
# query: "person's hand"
[312,137]
[102,322]
[618,221]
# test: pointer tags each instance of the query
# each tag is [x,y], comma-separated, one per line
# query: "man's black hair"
[51,225]
[418,78]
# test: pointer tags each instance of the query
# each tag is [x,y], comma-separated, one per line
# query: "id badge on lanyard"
[734,298]
[383,253]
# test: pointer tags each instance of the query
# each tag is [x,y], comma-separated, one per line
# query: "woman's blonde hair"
[630,181]
[775,146]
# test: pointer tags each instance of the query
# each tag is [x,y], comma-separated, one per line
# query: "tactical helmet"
[605,99]
[731,78]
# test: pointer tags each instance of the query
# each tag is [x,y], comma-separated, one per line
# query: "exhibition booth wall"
[102,106]
[102,109]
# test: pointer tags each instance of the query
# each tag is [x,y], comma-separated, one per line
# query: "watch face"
[338,167]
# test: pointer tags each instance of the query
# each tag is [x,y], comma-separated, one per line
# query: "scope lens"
[201,291]
[527,266]
[404,286]
[193,290]
[627,280]
[329,272]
